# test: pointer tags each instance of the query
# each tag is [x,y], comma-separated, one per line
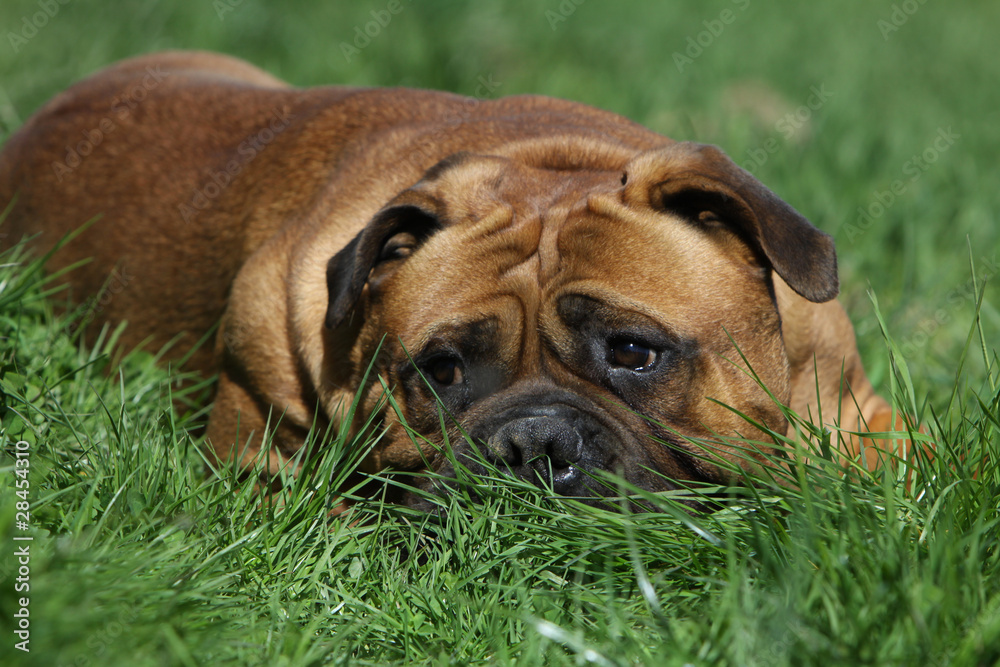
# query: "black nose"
[540,449]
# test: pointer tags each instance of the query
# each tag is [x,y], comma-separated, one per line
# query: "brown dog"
[572,286]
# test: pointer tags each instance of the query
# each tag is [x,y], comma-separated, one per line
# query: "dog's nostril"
[565,449]
[501,445]
[524,441]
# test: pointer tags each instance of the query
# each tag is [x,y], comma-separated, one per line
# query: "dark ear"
[387,240]
[697,179]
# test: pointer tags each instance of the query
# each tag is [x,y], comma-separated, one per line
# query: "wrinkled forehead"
[654,262]
[517,239]
[470,187]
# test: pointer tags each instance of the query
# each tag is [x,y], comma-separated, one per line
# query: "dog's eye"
[398,246]
[446,371]
[632,355]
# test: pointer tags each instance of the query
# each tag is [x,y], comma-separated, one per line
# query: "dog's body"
[555,273]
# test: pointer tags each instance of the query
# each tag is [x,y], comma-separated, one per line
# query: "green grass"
[140,558]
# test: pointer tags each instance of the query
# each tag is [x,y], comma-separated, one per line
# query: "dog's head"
[571,321]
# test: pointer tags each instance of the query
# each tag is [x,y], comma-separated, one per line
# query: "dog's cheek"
[727,389]
[397,452]
[396,449]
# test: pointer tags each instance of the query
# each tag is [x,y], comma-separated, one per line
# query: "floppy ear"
[696,180]
[374,254]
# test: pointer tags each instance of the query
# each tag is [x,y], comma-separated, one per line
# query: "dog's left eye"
[398,246]
[446,371]
[632,355]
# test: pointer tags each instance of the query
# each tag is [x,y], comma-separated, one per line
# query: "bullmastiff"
[574,292]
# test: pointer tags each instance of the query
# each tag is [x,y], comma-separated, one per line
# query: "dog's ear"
[378,250]
[697,180]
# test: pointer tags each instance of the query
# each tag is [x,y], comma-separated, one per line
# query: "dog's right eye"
[446,371]
[632,355]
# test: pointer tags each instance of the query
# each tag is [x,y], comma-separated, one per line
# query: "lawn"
[878,121]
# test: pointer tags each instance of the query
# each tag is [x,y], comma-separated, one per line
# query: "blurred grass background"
[894,74]
[147,562]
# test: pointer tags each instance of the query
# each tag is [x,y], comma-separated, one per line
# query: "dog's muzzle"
[553,444]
